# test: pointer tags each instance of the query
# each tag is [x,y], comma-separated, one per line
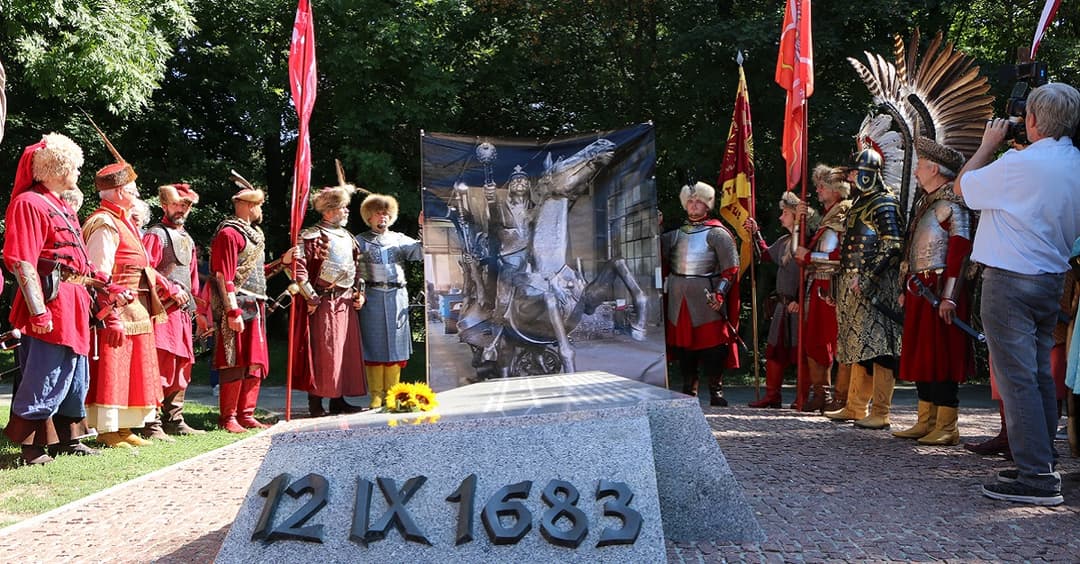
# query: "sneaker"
[1021,493]
[1062,433]
[1008,476]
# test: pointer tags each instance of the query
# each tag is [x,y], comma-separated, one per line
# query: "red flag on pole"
[302,82]
[737,174]
[795,73]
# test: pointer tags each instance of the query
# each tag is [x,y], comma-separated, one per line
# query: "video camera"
[1027,76]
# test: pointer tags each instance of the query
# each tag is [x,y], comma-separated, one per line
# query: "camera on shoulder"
[1025,77]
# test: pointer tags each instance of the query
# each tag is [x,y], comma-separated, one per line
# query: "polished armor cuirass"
[177,250]
[873,232]
[821,267]
[929,244]
[702,250]
[339,268]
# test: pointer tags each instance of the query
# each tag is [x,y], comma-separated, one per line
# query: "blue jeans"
[1018,313]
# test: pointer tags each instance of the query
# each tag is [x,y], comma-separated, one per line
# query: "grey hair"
[946,171]
[1057,109]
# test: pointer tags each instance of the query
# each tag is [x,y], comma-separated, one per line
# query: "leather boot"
[392,376]
[113,440]
[69,431]
[840,390]
[154,430]
[249,396]
[338,405]
[173,410]
[133,439]
[945,432]
[314,406]
[995,445]
[716,392]
[819,397]
[860,386]
[375,374]
[922,427]
[228,401]
[774,380]
[882,400]
[33,435]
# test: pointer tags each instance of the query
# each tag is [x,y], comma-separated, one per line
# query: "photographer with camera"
[1030,203]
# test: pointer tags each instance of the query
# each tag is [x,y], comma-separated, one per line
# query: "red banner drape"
[736,180]
[302,82]
[795,73]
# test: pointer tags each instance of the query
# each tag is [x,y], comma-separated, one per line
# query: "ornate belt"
[385,285]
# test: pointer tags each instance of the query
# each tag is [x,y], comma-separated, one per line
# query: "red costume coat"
[125,384]
[173,338]
[249,347]
[819,338]
[328,339]
[41,225]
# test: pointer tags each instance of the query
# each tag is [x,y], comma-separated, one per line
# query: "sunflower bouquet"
[409,398]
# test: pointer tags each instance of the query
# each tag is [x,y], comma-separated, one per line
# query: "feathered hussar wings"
[940,95]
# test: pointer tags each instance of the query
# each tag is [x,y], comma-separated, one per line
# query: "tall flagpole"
[754,326]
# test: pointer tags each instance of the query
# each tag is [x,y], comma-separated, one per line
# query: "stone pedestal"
[584,467]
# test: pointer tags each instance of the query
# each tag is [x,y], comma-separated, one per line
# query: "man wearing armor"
[782,349]
[384,319]
[44,250]
[239,272]
[822,262]
[172,253]
[937,356]
[511,225]
[702,293]
[1030,204]
[868,339]
[125,383]
[327,330]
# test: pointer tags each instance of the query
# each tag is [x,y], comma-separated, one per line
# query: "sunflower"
[425,397]
[400,398]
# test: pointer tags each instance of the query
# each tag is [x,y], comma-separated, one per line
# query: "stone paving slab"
[822,491]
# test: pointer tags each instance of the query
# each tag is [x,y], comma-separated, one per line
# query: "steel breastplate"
[338,269]
[251,259]
[929,244]
[691,253]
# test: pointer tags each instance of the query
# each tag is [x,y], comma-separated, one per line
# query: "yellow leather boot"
[945,432]
[113,439]
[860,387]
[925,424]
[392,376]
[375,375]
[884,382]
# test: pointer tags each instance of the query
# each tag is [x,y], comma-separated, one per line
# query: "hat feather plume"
[108,144]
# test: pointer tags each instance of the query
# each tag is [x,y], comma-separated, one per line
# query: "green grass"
[26,491]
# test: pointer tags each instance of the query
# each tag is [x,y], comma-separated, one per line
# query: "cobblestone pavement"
[822,492]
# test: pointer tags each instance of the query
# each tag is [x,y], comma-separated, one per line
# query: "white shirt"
[1030,203]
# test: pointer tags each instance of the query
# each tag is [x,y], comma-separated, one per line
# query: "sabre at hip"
[922,290]
[711,300]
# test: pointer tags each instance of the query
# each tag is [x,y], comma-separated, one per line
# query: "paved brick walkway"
[822,492]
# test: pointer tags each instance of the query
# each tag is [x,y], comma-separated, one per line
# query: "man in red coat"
[44,249]
[936,355]
[327,329]
[125,384]
[172,253]
[702,293]
[238,270]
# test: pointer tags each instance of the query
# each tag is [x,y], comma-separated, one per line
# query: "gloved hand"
[41,324]
[119,295]
[113,333]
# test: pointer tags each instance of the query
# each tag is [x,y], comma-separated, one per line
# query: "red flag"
[1048,12]
[302,82]
[795,73]
[736,180]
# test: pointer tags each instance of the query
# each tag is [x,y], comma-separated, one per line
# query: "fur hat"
[332,197]
[376,203]
[173,193]
[699,191]
[116,175]
[789,200]
[930,150]
[834,178]
[59,157]
[248,192]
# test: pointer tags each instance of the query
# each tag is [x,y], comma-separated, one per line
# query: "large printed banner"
[542,257]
